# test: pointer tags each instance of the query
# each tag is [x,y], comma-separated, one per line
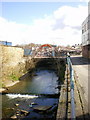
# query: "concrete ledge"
[62,105]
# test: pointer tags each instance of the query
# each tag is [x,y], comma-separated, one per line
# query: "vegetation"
[2,85]
[14,77]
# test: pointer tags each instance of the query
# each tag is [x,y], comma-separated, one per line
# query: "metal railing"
[73,116]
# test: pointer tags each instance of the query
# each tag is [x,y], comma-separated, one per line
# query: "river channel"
[40,90]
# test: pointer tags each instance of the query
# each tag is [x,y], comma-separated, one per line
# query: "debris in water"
[14,117]
[10,108]
[42,108]
[17,105]
[17,114]
[25,112]
[33,103]
[30,105]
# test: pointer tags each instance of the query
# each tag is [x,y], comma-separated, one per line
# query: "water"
[39,89]
[44,82]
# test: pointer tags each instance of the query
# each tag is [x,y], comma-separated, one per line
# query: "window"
[89,37]
[89,25]
[82,30]
[86,26]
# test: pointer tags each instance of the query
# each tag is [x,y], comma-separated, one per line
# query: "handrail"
[73,116]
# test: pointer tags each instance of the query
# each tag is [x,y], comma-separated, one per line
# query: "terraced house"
[86,35]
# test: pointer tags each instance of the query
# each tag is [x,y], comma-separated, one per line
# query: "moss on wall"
[61,66]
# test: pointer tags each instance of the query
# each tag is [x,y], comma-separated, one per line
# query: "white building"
[86,35]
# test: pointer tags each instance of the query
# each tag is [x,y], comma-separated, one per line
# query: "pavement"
[82,68]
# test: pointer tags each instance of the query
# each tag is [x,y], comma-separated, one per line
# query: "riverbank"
[13,65]
[30,65]
[37,93]
[9,84]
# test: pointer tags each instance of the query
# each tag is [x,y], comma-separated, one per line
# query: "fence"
[27,52]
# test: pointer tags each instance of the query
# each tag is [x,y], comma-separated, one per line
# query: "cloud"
[44,1]
[71,16]
[62,27]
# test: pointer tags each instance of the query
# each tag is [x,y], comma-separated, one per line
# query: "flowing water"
[39,90]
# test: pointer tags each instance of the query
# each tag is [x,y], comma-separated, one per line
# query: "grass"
[14,77]
[2,85]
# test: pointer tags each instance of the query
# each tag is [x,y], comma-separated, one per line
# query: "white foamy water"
[21,96]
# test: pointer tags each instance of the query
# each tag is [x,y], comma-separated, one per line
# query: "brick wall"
[86,51]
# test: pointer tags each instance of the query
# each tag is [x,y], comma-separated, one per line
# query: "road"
[82,67]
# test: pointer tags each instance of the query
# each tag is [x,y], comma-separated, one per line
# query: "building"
[5,43]
[86,35]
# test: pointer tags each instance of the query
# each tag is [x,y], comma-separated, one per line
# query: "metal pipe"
[72,105]
[73,116]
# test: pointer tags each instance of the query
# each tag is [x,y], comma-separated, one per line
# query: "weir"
[37,93]
[48,90]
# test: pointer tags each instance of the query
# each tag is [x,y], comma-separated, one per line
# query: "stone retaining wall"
[12,63]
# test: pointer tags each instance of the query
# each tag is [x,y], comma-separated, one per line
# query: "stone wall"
[12,64]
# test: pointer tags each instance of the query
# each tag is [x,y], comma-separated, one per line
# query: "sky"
[42,22]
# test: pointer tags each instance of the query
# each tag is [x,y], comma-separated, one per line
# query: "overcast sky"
[42,22]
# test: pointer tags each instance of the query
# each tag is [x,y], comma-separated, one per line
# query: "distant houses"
[5,43]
